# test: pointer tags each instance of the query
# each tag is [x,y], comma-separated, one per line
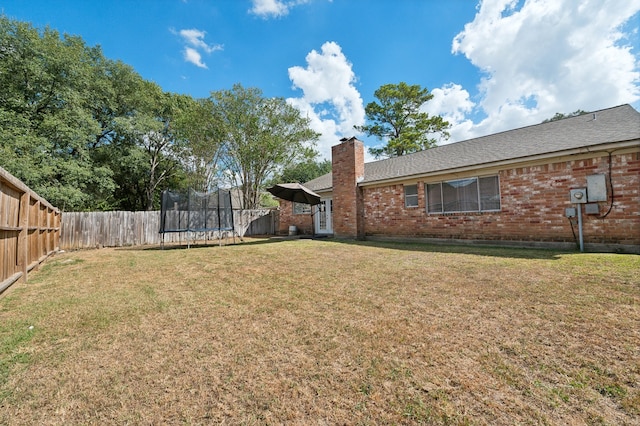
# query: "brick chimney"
[347,170]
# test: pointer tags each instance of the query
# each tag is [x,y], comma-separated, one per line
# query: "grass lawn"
[323,332]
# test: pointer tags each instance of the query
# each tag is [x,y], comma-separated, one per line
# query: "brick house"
[516,188]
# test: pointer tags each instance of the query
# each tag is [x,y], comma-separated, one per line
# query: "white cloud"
[195,45]
[196,39]
[546,56]
[452,102]
[193,56]
[267,8]
[274,8]
[329,99]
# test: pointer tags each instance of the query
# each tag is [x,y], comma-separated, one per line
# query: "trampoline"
[197,212]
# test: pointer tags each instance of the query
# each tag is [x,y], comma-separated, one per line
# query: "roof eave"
[606,147]
[323,190]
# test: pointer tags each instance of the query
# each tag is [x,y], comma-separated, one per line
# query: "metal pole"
[579,206]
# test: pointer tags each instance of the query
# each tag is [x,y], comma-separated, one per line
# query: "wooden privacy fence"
[29,230]
[82,230]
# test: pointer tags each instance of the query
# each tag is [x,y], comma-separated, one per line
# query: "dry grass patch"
[323,332]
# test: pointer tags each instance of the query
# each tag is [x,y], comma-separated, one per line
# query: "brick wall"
[533,202]
[287,218]
[348,170]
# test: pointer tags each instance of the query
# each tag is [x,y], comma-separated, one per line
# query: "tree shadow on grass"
[496,250]
[471,248]
[207,244]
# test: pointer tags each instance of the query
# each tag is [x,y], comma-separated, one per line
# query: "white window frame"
[411,200]
[301,208]
[438,186]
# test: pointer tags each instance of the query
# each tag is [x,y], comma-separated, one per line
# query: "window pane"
[411,195]
[489,193]
[301,208]
[322,217]
[434,198]
[460,195]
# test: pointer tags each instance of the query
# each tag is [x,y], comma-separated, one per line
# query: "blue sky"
[492,65]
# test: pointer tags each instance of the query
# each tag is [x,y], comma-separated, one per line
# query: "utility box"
[592,208]
[578,196]
[570,212]
[597,188]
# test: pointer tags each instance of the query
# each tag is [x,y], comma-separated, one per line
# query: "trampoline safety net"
[196,211]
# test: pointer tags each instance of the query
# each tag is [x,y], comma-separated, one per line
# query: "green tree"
[260,136]
[45,125]
[89,133]
[86,132]
[154,148]
[303,172]
[83,131]
[116,91]
[560,116]
[397,118]
[199,127]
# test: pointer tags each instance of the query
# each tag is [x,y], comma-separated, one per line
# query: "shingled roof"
[584,132]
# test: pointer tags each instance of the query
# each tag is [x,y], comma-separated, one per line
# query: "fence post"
[23,234]
[37,227]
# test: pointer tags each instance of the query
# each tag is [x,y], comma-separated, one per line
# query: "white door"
[324,223]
